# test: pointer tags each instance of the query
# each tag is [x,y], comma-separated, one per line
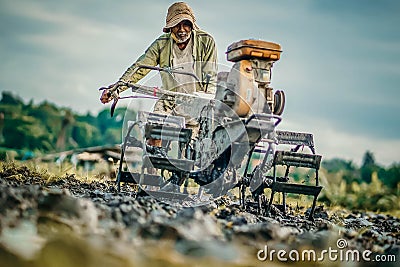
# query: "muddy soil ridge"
[68,222]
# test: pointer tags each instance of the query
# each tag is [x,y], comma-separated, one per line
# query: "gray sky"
[340,67]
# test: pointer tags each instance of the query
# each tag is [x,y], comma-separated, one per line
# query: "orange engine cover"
[248,49]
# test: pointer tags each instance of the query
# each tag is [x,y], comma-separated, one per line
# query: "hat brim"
[177,19]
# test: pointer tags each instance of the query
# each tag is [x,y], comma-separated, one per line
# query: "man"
[183,46]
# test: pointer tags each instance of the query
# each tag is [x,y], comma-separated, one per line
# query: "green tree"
[46,127]
[9,99]
[391,176]
[86,134]
[368,166]
[350,172]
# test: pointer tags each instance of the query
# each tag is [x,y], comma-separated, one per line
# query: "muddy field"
[66,222]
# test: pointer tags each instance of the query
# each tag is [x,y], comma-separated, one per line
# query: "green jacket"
[160,53]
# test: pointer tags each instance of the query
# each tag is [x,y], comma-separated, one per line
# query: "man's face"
[182,31]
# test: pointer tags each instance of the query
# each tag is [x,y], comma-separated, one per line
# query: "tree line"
[45,128]
[351,173]
[368,187]
[29,129]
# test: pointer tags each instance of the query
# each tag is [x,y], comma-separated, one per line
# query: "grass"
[336,194]
[49,172]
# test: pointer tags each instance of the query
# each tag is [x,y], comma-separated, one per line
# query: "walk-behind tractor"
[231,142]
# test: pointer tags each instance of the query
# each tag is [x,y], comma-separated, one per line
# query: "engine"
[246,88]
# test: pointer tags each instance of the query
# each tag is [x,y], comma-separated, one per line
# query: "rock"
[210,249]
[22,240]
[189,214]
[193,224]
[319,239]
[350,234]
[242,218]
[158,231]
[322,224]
[125,208]
[117,215]
[264,231]
[77,214]
[356,223]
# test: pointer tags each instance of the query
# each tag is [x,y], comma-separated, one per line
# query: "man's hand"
[106,96]
[109,92]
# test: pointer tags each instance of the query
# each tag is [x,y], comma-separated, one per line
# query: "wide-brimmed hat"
[178,12]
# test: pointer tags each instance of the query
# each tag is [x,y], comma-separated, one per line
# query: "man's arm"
[151,57]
